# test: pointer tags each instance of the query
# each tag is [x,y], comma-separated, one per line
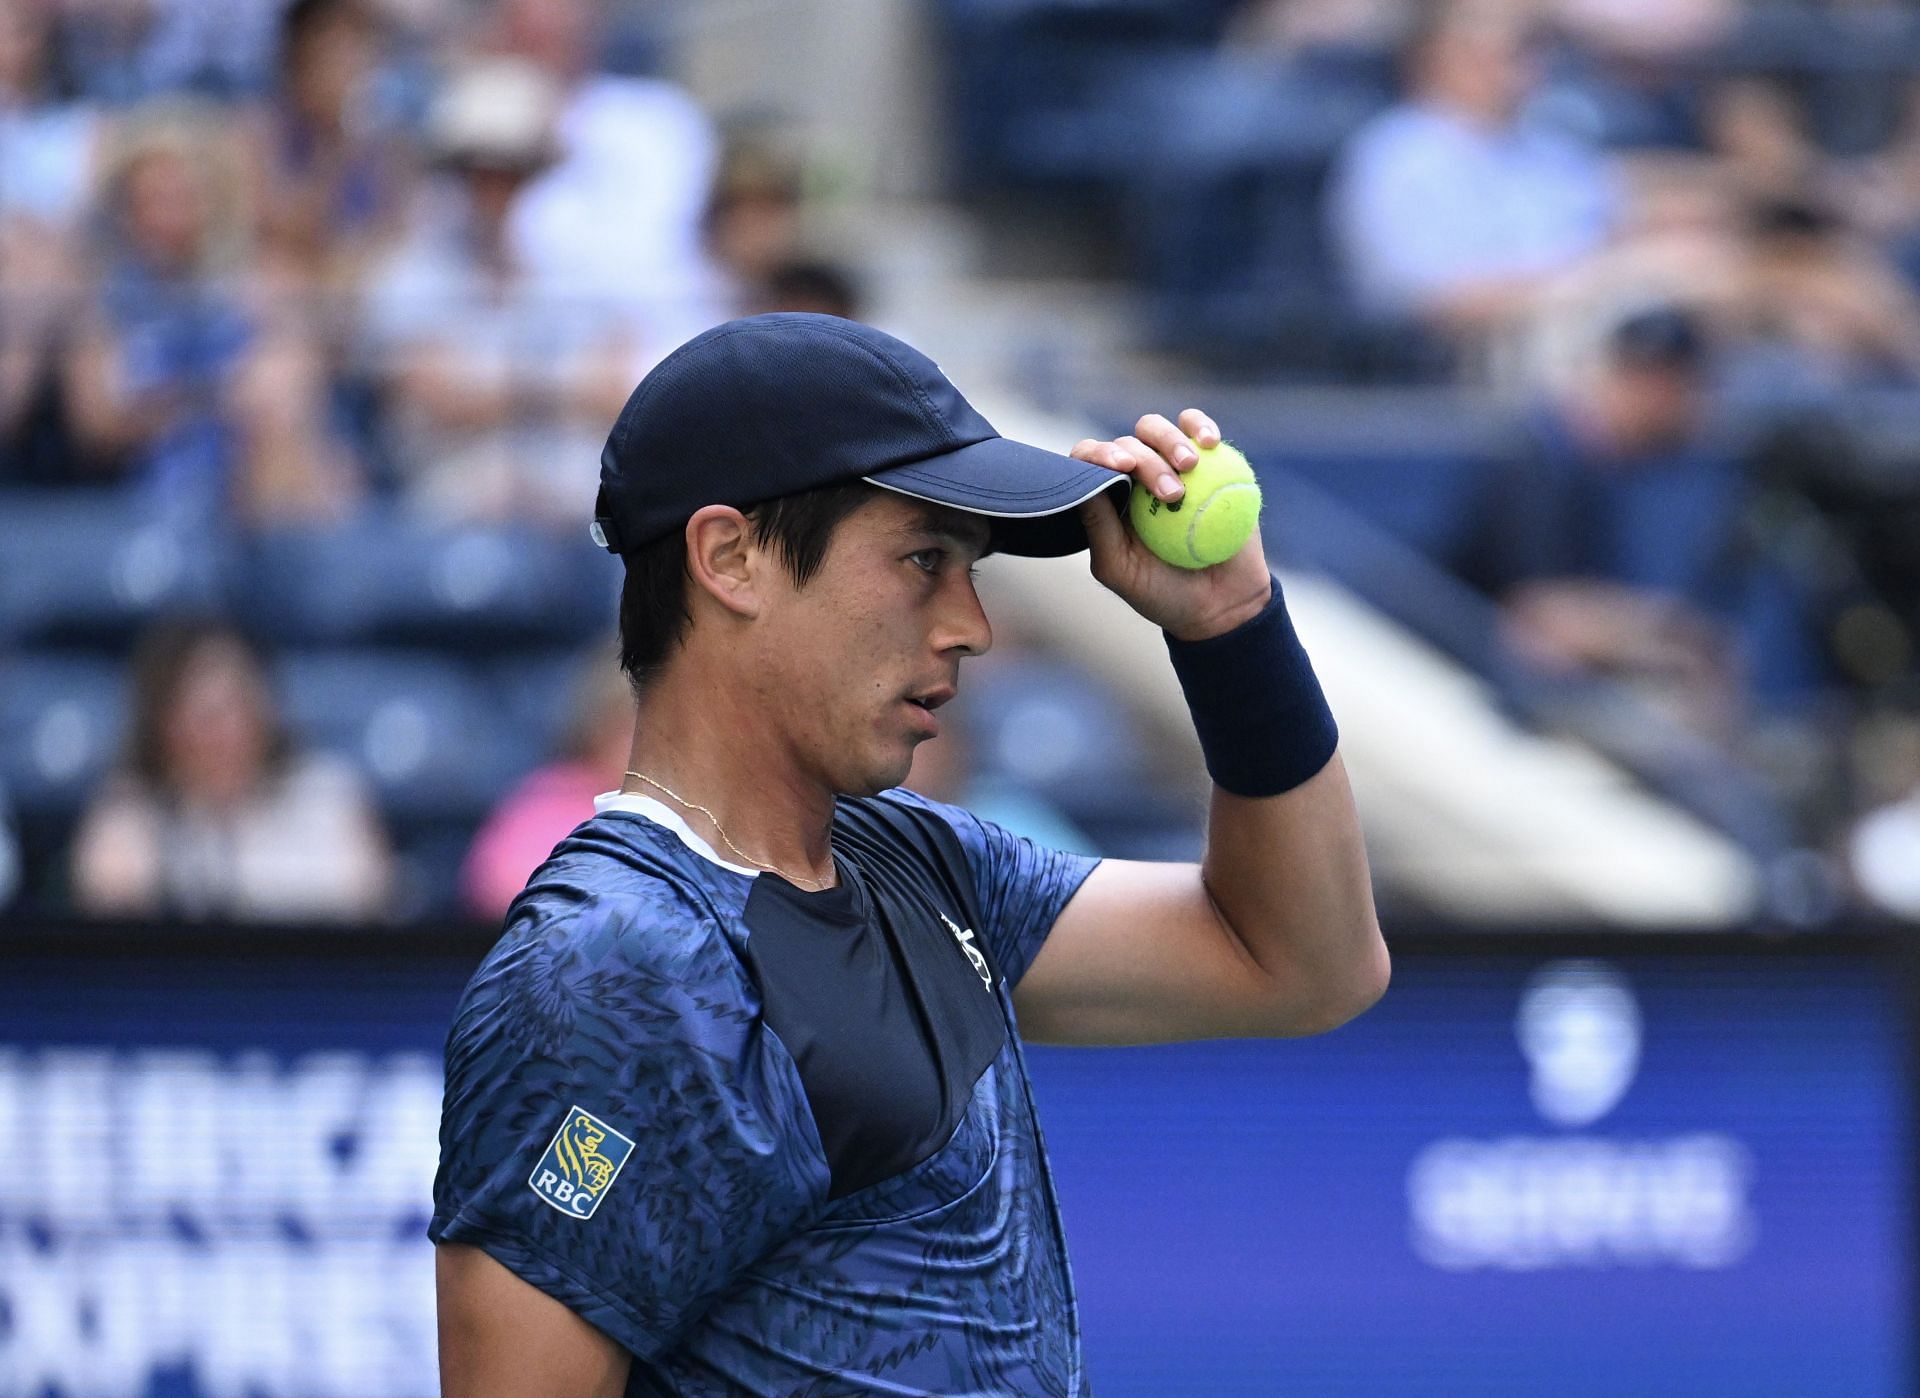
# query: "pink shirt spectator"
[522,831]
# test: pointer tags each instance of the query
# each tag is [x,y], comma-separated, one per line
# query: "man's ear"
[723,560]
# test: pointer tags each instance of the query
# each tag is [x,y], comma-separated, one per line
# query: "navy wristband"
[1262,721]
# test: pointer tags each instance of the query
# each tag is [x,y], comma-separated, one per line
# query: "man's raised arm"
[1274,933]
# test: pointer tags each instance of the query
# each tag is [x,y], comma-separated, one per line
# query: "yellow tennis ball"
[1208,524]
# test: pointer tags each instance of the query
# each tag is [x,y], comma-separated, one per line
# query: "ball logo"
[1579,1029]
[1573,1197]
[580,1164]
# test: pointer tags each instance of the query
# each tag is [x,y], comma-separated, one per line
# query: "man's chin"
[877,778]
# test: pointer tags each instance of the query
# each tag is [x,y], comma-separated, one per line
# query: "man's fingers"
[1200,427]
[1112,455]
[1151,469]
[1169,441]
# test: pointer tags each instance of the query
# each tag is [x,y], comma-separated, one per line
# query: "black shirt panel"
[871,987]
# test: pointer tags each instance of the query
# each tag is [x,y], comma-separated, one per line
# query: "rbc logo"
[581,1162]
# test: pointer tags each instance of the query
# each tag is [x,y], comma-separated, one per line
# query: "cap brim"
[1029,496]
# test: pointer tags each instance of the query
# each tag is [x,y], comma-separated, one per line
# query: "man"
[498,374]
[1621,537]
[738,1103]
[1450,208]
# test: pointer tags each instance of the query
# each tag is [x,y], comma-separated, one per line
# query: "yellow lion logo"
[578,1150]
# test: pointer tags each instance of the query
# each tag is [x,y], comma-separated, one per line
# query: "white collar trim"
[664,815]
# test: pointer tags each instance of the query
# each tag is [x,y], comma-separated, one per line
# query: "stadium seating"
[428,735]
[92,567]
[61,717]
[434,740]
[389,577]
[61,723]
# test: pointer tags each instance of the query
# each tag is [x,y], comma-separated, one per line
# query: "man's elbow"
[1346,993]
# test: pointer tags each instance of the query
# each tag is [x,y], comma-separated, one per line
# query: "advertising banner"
[1522,1173]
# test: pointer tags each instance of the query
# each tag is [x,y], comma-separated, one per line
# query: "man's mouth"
[931,699]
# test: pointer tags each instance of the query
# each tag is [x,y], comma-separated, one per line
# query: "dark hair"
[653,598]
[1793,217]
[1660,337]
[305,18]
[812,286]
[160,664]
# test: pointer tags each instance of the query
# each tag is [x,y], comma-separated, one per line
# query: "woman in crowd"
[214,813]
[176,375]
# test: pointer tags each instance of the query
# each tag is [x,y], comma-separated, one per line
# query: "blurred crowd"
[278,266]
[260,261]
[267,266]
[1674,247]
[1688,262]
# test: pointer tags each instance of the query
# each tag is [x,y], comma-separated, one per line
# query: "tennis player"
[737,1103]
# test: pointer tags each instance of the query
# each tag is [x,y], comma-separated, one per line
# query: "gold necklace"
[817,883]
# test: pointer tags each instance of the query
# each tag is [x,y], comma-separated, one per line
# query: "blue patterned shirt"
[768,1140]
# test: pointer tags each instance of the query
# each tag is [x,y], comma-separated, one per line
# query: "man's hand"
[1191,604]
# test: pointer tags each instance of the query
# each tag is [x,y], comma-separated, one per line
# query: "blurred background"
[1577,345]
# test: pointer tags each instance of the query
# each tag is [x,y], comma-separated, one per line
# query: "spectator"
[1451,208]
[820,287]
[47,145]
[214,813]
[502,381]
[1620,545]
[47,151]
[333,179]
[1628,70]
[129,51]
[1756,131]
[752,223]
[543,809]
[34,292]
[617,216]
[172,377]
[1821,308]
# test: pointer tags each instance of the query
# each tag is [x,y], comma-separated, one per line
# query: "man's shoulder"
[622,858]
[1407,134]
[904,818]
[613,917]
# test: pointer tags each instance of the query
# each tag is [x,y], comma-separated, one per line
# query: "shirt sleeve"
[619,1129]
[1021,885]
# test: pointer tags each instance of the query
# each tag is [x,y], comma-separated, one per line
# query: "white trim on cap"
[999,514]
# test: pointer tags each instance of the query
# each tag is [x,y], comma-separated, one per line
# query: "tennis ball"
[1211,521]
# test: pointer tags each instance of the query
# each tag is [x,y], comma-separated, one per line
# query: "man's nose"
[964,626]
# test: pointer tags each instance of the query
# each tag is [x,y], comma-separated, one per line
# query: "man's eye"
[929,560]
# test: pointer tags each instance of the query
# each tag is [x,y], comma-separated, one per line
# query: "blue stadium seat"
[61,719]
[391,577]
[93,567]
[426,732]
[535,690]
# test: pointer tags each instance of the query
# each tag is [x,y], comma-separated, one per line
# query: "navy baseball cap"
[771,405]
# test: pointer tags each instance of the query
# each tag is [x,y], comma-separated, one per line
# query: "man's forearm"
[1289,876]
[1286,864]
